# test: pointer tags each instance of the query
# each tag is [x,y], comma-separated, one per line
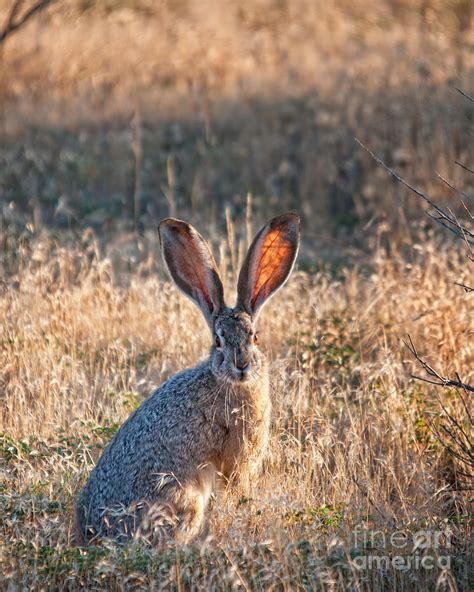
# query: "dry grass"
[80,348]
[119,107]
[263,96]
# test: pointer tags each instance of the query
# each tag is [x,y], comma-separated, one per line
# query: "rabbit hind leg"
[192,503]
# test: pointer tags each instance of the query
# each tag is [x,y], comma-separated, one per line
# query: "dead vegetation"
[351,445]
[263,96]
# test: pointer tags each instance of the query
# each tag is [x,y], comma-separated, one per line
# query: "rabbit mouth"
[238,375]
[242,377]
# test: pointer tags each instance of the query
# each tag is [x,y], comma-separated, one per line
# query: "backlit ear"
[269,262]
[192,266]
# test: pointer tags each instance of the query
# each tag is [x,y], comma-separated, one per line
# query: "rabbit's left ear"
[192,266]
[269,262]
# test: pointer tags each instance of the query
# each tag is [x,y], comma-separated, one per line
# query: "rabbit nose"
[243,370]
[242,366]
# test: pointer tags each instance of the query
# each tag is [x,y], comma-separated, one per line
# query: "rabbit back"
[174,439]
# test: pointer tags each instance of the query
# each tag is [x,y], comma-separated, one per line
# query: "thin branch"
[465,95]
[466,288]
[464,402]
[13,23]
[456,432]
[457,437]
[463,166]
[442,217]
[465,453]
[440,221]
[436,378]
[451,186]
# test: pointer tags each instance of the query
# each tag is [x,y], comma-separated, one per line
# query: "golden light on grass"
[132,109]
[349,442]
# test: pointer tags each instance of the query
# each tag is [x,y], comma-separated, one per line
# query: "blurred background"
[117,113]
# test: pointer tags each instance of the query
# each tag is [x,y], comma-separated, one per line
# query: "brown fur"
[157,475]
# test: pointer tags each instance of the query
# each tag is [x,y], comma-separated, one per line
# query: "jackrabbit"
[155,478]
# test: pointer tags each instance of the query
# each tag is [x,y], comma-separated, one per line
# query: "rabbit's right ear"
[192,266]
[269,262]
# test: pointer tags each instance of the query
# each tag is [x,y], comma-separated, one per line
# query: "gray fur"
[155,478]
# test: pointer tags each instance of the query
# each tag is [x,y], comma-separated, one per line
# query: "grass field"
[116,114]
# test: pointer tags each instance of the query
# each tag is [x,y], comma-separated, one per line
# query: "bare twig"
[466,288]
[452,433]
[442,217]
[456,442]
[463,166]
[435,377]
[466,405]
[451,186]
[14,22]
[465,95]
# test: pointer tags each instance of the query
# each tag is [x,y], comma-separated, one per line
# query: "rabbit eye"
[255,338]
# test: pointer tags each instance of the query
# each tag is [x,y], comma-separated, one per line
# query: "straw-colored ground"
[350,445]
[116,113]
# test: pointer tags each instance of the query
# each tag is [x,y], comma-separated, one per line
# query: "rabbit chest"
[247,421]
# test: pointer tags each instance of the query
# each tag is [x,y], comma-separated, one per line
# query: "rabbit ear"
[192,266]
[269,262]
